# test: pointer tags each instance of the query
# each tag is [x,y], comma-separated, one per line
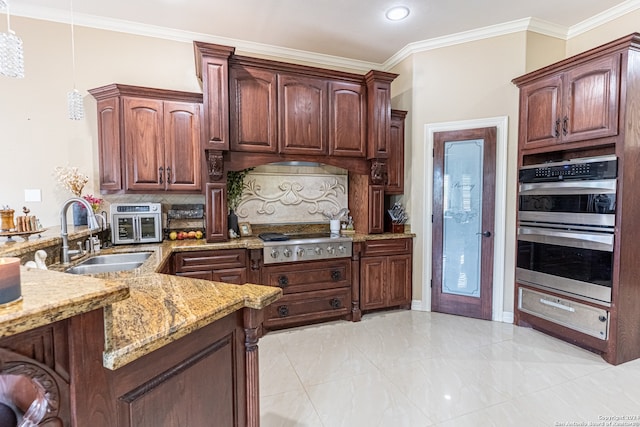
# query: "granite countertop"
[144,310]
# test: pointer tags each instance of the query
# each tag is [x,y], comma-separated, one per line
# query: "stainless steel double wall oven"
[566,223]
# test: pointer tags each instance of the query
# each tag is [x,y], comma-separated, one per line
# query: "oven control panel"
[605,167]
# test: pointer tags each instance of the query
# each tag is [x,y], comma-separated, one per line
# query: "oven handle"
[570,238]
[601,186]
[557,305]
[136,228]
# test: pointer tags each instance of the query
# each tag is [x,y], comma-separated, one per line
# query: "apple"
[192,235]
[199,234]
[173,235]
[181,235]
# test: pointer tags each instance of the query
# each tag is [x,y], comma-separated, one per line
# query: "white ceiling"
[351,29]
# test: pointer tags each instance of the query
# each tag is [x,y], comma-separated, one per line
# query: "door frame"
[502,137]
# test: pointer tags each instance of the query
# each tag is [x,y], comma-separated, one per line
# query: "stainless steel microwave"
[136,223]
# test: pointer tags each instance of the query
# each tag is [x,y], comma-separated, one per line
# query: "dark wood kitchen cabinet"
[578,103]
[313,291]
[228,265]
[599,93]
[366,204]
[149,139]
[395,162]
[386,274]
[302,114]
[212,68]
[286,109]
[379,113]
[253,109]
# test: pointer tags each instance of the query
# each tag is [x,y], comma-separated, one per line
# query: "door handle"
[485,234]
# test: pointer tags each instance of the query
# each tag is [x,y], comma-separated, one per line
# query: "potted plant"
[235,187]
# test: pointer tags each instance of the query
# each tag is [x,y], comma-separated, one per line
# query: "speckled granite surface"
[144,310]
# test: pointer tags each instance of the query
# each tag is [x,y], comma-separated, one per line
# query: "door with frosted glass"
[463,222]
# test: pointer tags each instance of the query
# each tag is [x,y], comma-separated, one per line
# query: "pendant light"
[74,98]
[11,52]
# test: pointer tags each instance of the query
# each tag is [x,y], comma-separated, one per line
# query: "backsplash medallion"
[297,195]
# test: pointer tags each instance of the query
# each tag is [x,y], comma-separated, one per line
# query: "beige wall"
[35,133]
[625,25]
[461,82]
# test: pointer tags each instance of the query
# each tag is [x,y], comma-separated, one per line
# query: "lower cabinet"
[313,291]
[385,274]
[229,265]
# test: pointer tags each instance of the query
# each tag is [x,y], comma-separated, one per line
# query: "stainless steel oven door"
[573,262]
[585,202]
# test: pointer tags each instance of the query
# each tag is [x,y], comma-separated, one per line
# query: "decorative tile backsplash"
[293,195]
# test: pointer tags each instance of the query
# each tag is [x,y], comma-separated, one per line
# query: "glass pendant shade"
[11,55]
[11,51]
[75,105]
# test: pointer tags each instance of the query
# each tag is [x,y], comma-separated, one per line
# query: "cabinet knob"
[283,281]
[335,275]
[283,311]
[335,303]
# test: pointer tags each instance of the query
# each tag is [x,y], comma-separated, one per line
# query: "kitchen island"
[136,348]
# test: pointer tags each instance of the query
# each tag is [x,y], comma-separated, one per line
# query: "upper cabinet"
[149,139]
[302,114]
[395,162]
[288,109]
[578,103]
[379,113]
[212,68]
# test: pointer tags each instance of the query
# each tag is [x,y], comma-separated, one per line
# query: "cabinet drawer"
[210,260]
[387,247]
[308,307]
[309,276]
[580,317]
[237,276]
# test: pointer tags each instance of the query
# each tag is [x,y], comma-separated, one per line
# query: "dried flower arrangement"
[71,179]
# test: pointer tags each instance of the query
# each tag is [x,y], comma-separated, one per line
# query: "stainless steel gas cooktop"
[281,248]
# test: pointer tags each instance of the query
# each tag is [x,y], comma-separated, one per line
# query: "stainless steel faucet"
[92,224]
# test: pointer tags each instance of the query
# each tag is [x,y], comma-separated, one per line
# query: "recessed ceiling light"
[397,13]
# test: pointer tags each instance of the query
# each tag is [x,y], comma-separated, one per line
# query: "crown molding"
[603,17]
[243,46]
[526,24]
[319,59]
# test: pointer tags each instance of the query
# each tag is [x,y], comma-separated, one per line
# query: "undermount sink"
[110,263]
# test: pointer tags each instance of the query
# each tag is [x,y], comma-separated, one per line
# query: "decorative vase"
[232,222]
[79,214]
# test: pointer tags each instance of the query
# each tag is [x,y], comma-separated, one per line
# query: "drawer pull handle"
[557,305]
[283,281]
[335,275]
[335,303]
[602,318]
[283,311]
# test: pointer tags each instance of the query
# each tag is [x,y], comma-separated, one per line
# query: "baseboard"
[416,305]
[507,317]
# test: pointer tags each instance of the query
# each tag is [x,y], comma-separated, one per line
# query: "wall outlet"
[32,195]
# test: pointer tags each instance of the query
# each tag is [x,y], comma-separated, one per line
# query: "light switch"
[32,195]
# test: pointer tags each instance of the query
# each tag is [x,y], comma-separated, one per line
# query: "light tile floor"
[412,368]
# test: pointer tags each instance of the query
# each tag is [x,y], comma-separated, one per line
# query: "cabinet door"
[216,205]
[253,113]
[347,119]
[109,145]
[302,111]
[215,85]
[592,100]
[379,116]
[399,280]
[143,144]
[373,278]
[540,111]
[182,146]
[376,209]
[395,162]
